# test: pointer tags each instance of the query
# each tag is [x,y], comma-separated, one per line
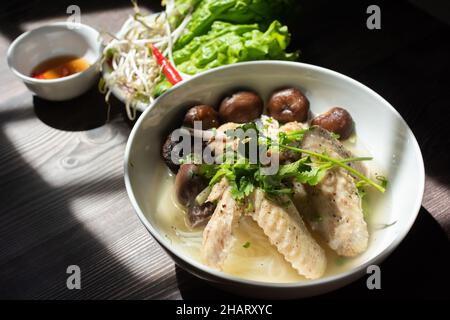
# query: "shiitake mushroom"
[199,214]
[287,105]
[166,154]
[204,113]
[336,120]
[188,184]
[172,160]
[241,107]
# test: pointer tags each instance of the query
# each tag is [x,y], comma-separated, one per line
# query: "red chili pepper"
[169,70]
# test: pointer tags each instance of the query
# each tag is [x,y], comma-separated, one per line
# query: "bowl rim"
[299,284]
[21,37]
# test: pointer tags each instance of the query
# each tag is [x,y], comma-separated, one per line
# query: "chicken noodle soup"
[252,256]
[300,220]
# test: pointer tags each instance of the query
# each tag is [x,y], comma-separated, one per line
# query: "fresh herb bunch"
[244,176]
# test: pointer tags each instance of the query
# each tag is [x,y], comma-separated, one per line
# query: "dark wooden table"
[63,199]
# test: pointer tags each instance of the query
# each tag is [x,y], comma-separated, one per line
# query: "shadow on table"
[40,234]
[418,268]
[38,230]
[85,112]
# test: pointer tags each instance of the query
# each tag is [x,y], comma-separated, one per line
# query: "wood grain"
[62,192]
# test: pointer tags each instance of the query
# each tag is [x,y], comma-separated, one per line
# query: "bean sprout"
[131,68]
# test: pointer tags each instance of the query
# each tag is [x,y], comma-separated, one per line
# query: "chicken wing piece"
[320,140]
[287,232]
[338,214]
[288,155]
[220,141]
[292,126]
[218,236]
[217,190]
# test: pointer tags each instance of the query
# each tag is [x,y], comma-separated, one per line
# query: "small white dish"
[380,128]
[53,40]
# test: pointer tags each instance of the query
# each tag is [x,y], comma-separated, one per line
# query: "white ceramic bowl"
[52,40]
[384,133]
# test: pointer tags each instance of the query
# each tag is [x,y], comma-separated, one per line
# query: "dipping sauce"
[59,67]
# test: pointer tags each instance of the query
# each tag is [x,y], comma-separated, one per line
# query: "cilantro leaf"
[244,177]
[383,181]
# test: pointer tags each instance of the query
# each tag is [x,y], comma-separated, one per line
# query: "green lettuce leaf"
[180,10]
[228,43]
[233,11]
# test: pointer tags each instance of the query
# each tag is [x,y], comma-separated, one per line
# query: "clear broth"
[260,261]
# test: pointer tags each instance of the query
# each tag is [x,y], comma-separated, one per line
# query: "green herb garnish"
[102,87]
[340,163]
[383,180]
[386,225]
[335,135]
[244,177]
[316,218]
[341,261]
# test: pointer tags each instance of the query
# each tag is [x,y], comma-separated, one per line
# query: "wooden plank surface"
[62,191]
